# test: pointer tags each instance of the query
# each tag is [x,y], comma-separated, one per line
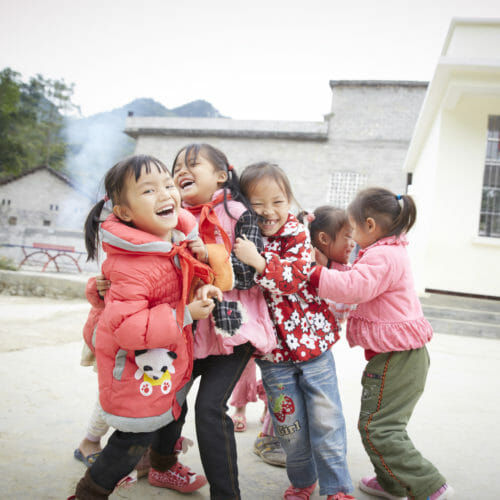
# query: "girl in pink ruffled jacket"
[389,324]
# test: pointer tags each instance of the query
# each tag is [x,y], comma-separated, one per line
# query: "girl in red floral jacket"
[299,375]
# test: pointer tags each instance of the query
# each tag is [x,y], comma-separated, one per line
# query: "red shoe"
[340,496]
[178,477]
[293,493]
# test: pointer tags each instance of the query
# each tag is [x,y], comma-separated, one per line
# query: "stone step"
[462,315]
[472,315]
[458,302]
[465,328]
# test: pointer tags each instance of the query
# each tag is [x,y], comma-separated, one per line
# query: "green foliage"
[31,121]
[7,264]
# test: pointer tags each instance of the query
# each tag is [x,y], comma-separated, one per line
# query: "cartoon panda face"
[154,362]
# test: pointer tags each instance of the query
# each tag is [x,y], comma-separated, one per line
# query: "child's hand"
[102,285]
[319,257]
[201,309]
[246,251]
[199,250]
[208,292]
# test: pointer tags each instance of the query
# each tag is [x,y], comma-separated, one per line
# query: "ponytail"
[406,217]
[302,218]
[396,214]
[233,186]
[91,229]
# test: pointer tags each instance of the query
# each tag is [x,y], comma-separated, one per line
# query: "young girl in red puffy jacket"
[143,342]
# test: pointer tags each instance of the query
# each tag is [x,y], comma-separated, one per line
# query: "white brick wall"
[34,200]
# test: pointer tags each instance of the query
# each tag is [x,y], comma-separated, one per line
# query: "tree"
[32,117]
[12,150]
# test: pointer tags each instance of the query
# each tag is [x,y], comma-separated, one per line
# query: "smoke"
[95,143]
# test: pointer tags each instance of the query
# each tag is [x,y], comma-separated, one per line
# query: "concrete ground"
[47,398]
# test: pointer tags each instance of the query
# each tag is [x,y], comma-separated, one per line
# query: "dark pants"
[214,430]
[214,427]
[124,450]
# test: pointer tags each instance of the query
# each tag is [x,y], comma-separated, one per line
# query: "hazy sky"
[258,59]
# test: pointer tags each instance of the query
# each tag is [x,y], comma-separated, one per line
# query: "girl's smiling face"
[271,203]
[151,203]
[196,178]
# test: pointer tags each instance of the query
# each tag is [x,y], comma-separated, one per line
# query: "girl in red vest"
[144,345]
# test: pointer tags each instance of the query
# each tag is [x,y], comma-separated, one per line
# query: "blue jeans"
[305,406]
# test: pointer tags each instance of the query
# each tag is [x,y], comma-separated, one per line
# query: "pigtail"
[233,186]
[325,219]
[301,217]
[91,229]
[406,217]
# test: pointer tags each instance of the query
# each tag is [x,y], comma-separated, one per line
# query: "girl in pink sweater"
[389,324]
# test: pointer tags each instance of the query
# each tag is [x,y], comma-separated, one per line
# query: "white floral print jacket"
[305,325]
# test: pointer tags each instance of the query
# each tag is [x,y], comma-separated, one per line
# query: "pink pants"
[245,390]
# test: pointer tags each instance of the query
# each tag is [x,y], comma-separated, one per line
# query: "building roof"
[12,178]
[136,126]
[376,83]
[469,64]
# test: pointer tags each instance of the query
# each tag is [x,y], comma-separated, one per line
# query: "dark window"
[489,219]
[46,222]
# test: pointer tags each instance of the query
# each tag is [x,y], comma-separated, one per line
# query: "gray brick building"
[362,141]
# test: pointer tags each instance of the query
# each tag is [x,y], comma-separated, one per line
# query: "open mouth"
[166,211]
[186,183]
[267,224]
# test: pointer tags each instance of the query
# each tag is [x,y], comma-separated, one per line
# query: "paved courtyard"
[47,398]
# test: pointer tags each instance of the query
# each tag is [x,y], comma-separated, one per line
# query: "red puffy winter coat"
[144,357]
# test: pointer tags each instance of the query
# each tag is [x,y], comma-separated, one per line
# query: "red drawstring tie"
[208,221]
[190,267]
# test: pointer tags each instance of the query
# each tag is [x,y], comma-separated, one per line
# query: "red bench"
[52,252]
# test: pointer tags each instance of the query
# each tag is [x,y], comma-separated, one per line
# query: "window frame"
[489,211]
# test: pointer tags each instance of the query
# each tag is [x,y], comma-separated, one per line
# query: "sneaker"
[269,449]
[370,485]
[178,477]
[446,491]
[293,493]
[340,496]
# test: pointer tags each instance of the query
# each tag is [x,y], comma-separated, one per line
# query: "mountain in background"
[97,142]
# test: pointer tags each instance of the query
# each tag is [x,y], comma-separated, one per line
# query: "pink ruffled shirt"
[389,316]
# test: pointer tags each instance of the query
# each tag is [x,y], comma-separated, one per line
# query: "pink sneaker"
[340,496]
[178,477]
[370,485]
[293,493]
[446,491]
